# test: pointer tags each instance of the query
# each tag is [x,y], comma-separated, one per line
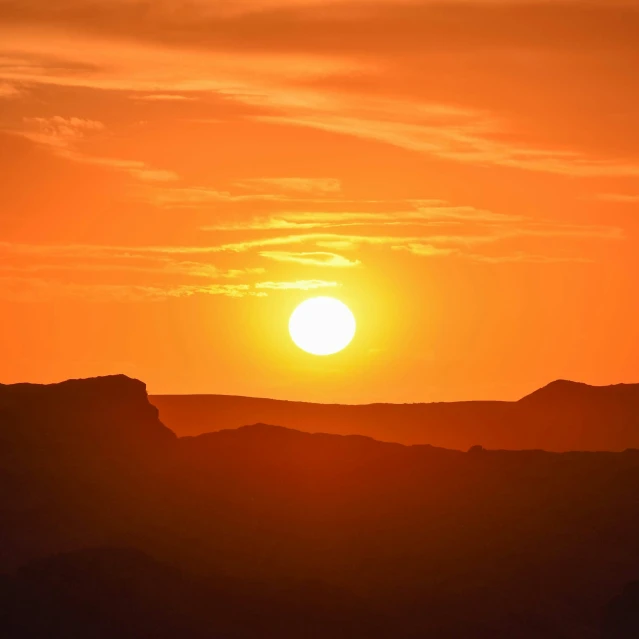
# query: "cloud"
[59,132]
[284,240]
[137,169]
[334,26]
[484,233]
[470,139]
[428,250]
[312,65]
[425,213]
[152,260]
[115,272]
[292,185]
[618,198]
[8,91]
[245,271]
[299,285]
[197,197]
[311,259]
[163,97]
[340,245]
[267,195]
[62,135]
[29,289]
[529,258]
[127,254]
[346,241]
[433,230]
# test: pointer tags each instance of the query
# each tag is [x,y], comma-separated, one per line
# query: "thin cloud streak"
[61,136]
[618,198]
[421,216]
[490,234]
[319,258]
[428,250]
[471,143]
[25,289]
[319,186]
[274,75]
[299,285]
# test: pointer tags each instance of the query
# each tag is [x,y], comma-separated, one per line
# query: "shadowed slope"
[72,456]
[621,620]
[559,417]
[118,592]
[110,412]
[449,544]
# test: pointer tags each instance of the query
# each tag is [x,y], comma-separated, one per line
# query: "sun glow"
[322,326]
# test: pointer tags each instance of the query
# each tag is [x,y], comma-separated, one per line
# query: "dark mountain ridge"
[336,536]
[111,412]
[562,416]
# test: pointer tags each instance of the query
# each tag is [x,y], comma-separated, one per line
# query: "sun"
[322,326]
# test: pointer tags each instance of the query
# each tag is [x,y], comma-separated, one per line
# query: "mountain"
[120,592]
[111,412]
[69,454]
[621,620]
[560,417]
[113,526]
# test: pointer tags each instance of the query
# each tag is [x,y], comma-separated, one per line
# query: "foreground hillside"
[563,416]
[112,526]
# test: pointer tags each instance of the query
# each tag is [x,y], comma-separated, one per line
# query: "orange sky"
[178,175]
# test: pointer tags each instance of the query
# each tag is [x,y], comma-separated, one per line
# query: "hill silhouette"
[562,416]
[120,592]
[621,620]
[113,526]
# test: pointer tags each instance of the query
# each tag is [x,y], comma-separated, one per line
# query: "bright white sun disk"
[322,326]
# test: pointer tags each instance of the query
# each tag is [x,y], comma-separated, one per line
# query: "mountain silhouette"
[121,592]
[113,526]
[622,614]
[562,416]
[102,413]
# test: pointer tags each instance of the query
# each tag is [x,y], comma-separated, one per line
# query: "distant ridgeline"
[111,526]
[563,416]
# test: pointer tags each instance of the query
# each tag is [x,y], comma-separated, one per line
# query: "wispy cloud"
[30,289]
[423,214]
[197,197]
[428,250]
[48,272]
[464,237]
[299,285]
[163,97]
[433,231]
[470,140]
[303,77]
[31,272]
[529,258]
[8,91]
[292,185]
[317,258]
[59,132]
[116,272]
[311,64]
[62,136]
[135,168]
[618,198]
[184,260]
[342,240]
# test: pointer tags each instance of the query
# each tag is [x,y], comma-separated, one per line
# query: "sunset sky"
[177,176]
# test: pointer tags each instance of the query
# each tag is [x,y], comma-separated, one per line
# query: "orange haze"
[177,176]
